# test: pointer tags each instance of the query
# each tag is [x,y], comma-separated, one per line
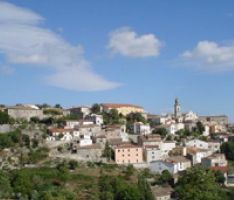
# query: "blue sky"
[141,52]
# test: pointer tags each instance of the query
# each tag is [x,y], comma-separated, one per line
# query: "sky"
[140,52]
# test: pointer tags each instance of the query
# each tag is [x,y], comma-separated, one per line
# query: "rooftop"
[113,105]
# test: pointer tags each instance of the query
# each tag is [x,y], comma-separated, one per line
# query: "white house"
[174,127]
[173,164]
[196,154]
[197,143]
[70,124]
[140,128]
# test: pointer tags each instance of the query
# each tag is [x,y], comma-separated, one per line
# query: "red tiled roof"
[127,145]
[219,168]
[113,105]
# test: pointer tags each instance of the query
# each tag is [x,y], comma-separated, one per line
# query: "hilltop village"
[123,135]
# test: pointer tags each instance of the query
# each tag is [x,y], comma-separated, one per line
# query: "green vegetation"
[199,184]
[4,118]
[99,182]
[228,149]
[10,139]
[52,111]
[161,131]
[112,117]
[96,108]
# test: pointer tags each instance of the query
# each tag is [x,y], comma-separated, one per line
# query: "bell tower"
[176,108]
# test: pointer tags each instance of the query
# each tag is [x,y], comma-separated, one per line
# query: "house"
[196,154]
[91,129]
[174,127]
[91,153]
[173,164]
[124,109]
[81,111]
[218,128]
[214,145]
[167,146]
[116,131]
[62,134]
[152,153]
[128,154]
[197,143]
[215,161]
[97,119]
[71,124]
[152,139]
[162,193]
[220,119]
[181,162]
[140,128]
[24,112]
[85,140]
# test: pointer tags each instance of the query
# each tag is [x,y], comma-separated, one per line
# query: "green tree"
[161,131]
[200,128]
[165,177]
[108,152]
[199,184]
[96,108]
[129,171]
[5,186]
[4,118]
[228,149]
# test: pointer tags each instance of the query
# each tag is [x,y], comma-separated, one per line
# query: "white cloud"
[126,42]
[211,56]
[24,41]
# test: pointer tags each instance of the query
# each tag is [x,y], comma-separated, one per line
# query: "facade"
[149,140]
[214,145]
[71,124]
[197,143]
[152,153]
[159,166]
[128,154]
[196,154]
[215,160]
[124,109]
[24,112]
[162,193]
[82,111]
[140,128]
[219,119]
[63,134]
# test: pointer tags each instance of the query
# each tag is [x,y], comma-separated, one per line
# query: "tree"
[35,120]
[112,117]
[135,117]
[219,177]
[161,131]
[4,118]
[228,149]
[108,152]
[96,108]
[58,106]
[144,188]
[5,186]
[199,184]
[165,177]
[129,171]
[200,128]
